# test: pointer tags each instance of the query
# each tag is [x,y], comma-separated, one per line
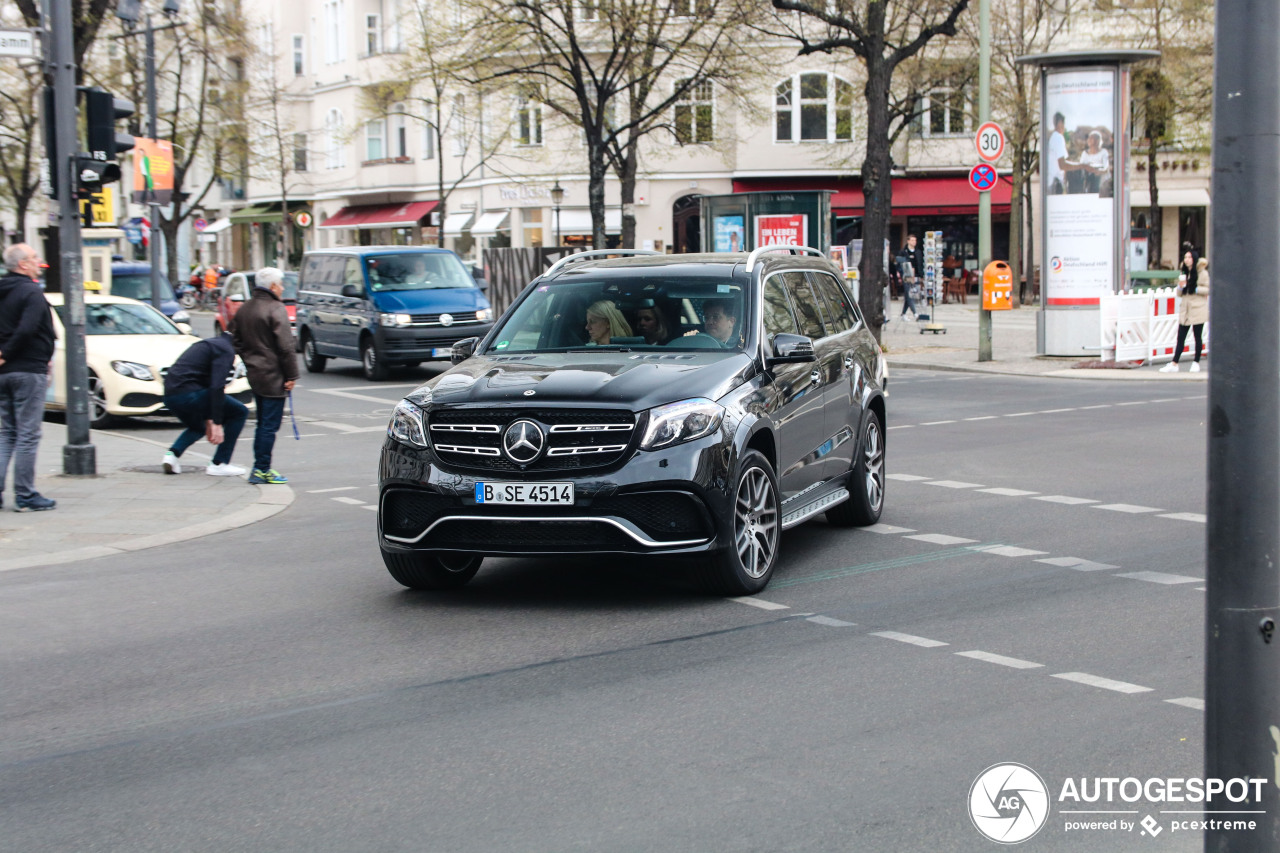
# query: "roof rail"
[582,256]
[764,250]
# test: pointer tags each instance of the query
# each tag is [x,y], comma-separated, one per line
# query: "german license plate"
[525,494]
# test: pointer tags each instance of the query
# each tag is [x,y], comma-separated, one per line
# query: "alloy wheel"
[873,465]
[97,399]
[756,522]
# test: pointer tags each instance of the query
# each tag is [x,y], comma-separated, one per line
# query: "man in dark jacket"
[26,348]
[195,392]
[265,343]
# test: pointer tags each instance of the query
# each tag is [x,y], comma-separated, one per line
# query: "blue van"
[386,306]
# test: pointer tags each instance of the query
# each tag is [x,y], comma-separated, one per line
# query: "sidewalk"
[1013,347]
[129,506]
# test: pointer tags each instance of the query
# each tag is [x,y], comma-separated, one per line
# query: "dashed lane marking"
[1129,508]
[334,489]
[983,418]
[1160,577]
[351,395]
[1077,563]
[341,427]
[1009,493]
[923,642]
[1014,663]
[940,539]
[760,602]
[908,478]
[1135,403]
[370,507]
[346,500]
[953,484]
[1103,406]
[1188,702]
[1020,414]
[868,568]
[1053,411]
[936,423]
[1006,550]
[832,623]
[1064,499]
[903,426]
[888,528]
[1104,683]
[1185,516]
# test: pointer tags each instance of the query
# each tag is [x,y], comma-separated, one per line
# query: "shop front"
[392,224]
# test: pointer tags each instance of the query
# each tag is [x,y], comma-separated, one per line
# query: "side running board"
[819,504]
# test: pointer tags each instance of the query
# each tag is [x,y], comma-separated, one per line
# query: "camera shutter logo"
[523,442]
[1008,803]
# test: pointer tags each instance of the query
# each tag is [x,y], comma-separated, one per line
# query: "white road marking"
[1006,550]
[1130,508]
[341,427]
[935,423]
[1020,414]
[1133,403]
[370,508]
[1104,683]
[1188,702]
[902,426]
[908,478]
[1167,400]
[1054,411]
[1080,565]
[1202,589]
[983,418]
[352,501]
[1160,577]
[1064,499]
[335,489]
[347,393]
[827,620]
[909,638]
[1088,408]
[1185,516]
[1000,659]
[888,528]
[760,602]
[1009,493]
[954,484]
[940,539]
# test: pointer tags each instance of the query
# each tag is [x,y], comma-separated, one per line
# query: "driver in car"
[719,320]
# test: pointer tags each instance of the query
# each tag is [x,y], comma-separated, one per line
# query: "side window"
[837,309]
[777,310]
[806,304]
[353,274]
[312,277]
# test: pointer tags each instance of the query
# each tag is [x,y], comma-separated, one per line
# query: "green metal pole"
[984,198]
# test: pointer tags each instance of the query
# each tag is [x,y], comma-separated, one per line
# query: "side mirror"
[463,349]
[351,291]
[791,349]
[236,297]
[185,328]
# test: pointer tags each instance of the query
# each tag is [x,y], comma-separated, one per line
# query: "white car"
[129,346]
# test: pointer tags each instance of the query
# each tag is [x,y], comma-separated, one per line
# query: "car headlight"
[483,315]
[395,319]
[683,421]
[180,316]
[406,425]
[133,370]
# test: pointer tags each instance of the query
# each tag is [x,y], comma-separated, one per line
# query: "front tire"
[314,361]
[866,480]
[424,570]
[747,565]
[98,417]
[375,369]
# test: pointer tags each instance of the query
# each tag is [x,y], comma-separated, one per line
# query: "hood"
[155,351]
[626,380]
[437,301]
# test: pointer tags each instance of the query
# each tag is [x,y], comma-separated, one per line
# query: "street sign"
[982,177]
[101,206]
[17,42]
[200,224]
[989,141]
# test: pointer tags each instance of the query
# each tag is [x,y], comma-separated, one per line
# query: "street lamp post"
[557,198]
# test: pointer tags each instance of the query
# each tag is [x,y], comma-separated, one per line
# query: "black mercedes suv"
[677,405]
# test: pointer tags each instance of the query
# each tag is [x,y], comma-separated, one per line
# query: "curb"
[1128,375]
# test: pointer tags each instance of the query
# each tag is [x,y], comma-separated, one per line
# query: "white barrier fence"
[1143,326]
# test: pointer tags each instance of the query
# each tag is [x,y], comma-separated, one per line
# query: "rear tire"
[424,570]
[866,480]
[375,369]
[314,361]
[746,566]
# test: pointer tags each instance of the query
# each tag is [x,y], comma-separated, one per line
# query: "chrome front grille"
[574,438]
[459,318]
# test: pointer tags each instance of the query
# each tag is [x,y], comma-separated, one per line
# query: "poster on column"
[782,229]
[1079,124]
[728,233]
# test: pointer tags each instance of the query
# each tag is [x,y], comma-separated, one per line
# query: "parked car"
[386,306]
[133,281]
[129,346]
[238,288]
[756,403]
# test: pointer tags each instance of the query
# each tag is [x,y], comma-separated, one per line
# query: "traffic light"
[102,111]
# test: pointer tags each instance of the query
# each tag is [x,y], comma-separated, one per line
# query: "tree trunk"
[1154,218]
[1031,248]
[1015,229]
[169,228]
[441,208]
[877,190]
[627,185]
[596,170]
[20,205]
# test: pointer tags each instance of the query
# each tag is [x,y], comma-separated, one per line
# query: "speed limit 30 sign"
[990,142]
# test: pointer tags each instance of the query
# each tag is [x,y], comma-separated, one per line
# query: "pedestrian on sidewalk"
[1193,313]
[265,343]
[26,353]
[195,392]
[910,265]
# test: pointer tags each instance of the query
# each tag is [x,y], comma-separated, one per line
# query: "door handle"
[848,361]
[815,376]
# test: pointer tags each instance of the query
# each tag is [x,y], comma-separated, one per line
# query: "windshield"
[117,318]
[416,271]
[641,313]
[290,287]
[137,285]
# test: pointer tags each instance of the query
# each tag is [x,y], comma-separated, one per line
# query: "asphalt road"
[1034,595]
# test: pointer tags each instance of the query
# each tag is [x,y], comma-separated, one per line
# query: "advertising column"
[1083,194]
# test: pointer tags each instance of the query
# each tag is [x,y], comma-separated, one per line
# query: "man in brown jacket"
[265,344]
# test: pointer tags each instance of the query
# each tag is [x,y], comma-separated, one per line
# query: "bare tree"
[882,34]
[86,17]
[20,148]
[273,153]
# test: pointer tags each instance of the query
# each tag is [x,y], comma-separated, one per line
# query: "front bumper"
[418,343]
[673,501]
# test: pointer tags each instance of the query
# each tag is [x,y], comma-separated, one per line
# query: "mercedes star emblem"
[523,442]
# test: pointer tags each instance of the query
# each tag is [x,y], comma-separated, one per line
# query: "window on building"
[299,152]
[528,121]
[334,154]
[372,35]
[334,31]
[822,113]
[695,113]
[458,125]
[691,8]
[375,133]
[299,54]
[589,10]
[944,111]
[429,132]
[399,132]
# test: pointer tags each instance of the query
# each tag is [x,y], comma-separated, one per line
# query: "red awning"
[923,196]
[380,215]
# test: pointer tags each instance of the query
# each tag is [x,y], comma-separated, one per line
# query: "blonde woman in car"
[605,322]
